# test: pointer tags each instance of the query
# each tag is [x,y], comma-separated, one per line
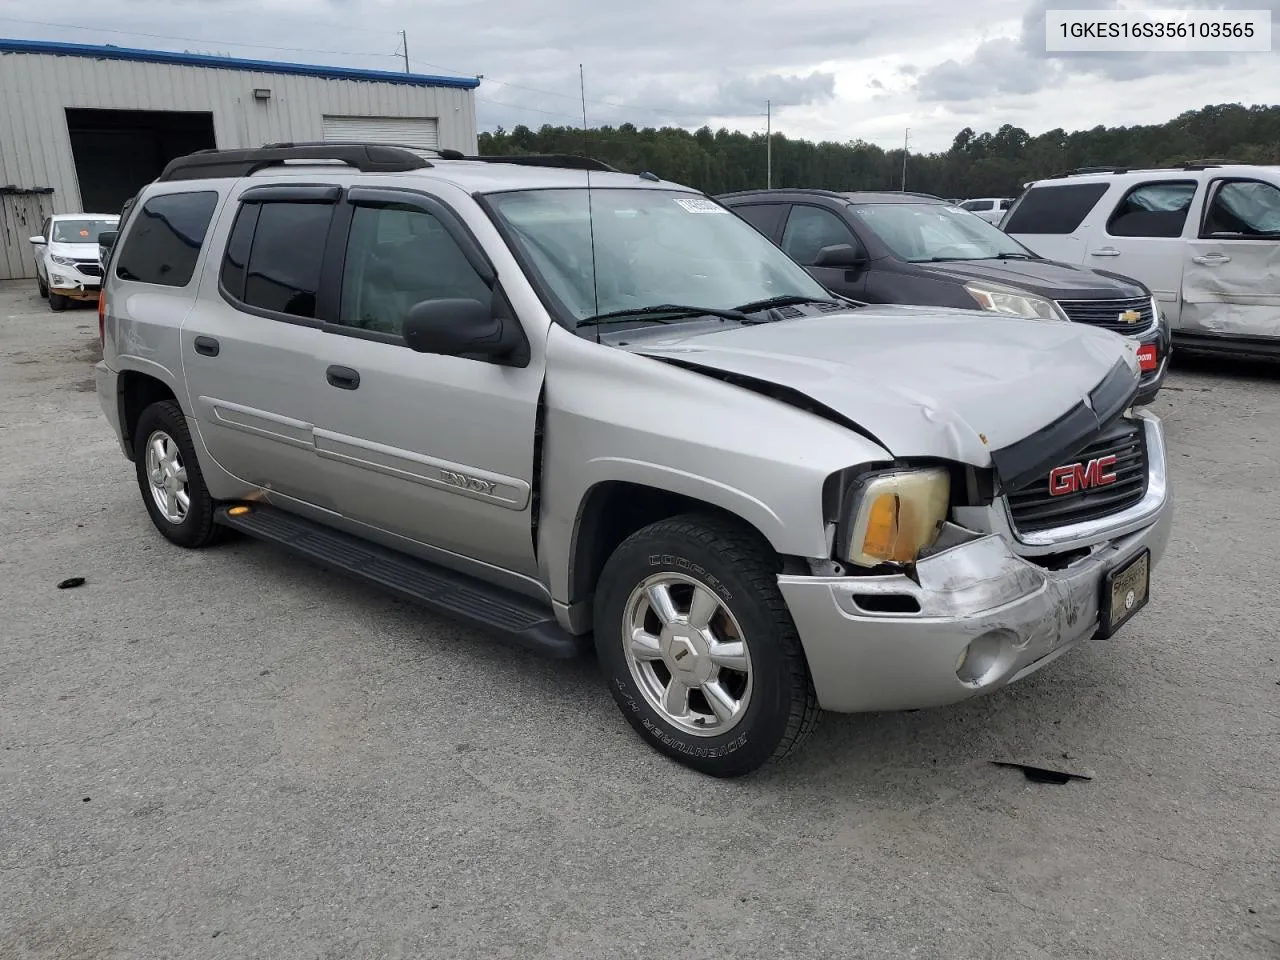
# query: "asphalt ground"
[232,754]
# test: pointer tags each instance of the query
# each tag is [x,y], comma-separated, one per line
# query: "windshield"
[80,231]
[920,232]
[652,247]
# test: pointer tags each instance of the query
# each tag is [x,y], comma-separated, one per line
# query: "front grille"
[90,268]
[1106,313]
[1033,507]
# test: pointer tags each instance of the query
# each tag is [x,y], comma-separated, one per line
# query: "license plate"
[1125,591]
[1147,357]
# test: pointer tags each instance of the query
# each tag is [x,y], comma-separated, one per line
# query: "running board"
[516,619]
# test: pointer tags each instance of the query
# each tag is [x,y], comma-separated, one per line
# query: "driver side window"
[396,257]
[809,229]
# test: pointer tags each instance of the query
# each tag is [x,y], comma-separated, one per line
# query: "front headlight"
[893,516]
[1013,302]
[62,261]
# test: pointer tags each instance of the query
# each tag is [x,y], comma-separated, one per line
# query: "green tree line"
[976,165]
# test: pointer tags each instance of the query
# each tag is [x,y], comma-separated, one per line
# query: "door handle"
[344,378]
[1105,252]
[207,346]
[1212,259]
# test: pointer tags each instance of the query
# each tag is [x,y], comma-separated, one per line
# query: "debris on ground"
[70,582]
[1038,774]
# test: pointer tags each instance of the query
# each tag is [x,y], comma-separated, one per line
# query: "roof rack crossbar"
[219,164]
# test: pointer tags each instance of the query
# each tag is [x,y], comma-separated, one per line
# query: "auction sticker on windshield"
[700,205]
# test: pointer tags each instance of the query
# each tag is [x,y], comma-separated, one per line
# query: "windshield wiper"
[790,300]
[1014,256]
[678,311]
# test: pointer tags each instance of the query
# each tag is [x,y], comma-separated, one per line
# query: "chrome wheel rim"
[167,475]
[687,654]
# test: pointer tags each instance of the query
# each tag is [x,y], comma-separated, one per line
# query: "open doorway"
[117,152]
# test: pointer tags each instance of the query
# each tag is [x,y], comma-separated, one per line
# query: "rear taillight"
[102,317]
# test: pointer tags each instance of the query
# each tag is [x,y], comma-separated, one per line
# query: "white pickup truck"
[1203,237]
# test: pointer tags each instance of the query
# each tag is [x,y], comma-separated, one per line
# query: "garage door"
[411,131]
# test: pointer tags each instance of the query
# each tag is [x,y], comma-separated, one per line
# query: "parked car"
[68,266]
[990,209]
[1204,237]
[574,405]
[913,248]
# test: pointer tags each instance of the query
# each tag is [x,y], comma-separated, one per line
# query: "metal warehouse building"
[82,128]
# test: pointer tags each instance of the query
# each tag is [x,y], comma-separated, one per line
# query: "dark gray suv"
[917,249]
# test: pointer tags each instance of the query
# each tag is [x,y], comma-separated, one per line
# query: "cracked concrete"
[280,764]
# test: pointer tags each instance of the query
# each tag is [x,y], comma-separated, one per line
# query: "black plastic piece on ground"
[70,582]
[1043,774]
[517,619]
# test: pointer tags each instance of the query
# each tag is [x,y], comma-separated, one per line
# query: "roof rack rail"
[567,161]
[218,164]
[1205,164]
[354,143]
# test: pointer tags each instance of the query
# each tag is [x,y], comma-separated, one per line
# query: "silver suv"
[571,404]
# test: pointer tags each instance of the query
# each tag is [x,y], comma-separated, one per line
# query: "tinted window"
[236,259]
[396,257]
[1056,209]
[809,229]
[1006,204]
[976,205]
[765,217]
[165,237]
[285,256]
[1153,210]
[1244,208]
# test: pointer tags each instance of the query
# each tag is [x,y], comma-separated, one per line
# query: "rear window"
[165,237]
[1057,209]
[1157,209]
[274,256]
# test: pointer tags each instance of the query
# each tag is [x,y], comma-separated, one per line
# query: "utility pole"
[404,42]
[905,141]
[768,139]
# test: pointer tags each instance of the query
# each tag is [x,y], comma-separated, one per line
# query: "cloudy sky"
[833,69]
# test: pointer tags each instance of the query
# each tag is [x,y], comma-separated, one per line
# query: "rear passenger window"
[809,229]
[165,237]
[1153,210]
[765,217]
[1057,209]
[274,256]
[399,256]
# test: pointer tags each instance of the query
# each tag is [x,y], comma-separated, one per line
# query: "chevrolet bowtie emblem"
[1129,316]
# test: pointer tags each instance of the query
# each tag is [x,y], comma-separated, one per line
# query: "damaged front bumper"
[891,643]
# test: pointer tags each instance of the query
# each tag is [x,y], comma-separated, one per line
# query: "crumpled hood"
[924,381]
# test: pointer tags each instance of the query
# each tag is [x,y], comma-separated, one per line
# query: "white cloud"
[835,69]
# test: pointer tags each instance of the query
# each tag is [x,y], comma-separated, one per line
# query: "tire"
[163,422]
[44,291]
[57,302]
[774,706]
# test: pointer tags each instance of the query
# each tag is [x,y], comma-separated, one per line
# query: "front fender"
[612,416]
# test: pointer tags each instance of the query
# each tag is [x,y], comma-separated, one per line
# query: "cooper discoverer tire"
[698,647]
[169,477]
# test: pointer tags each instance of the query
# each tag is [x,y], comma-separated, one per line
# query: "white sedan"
[67,263]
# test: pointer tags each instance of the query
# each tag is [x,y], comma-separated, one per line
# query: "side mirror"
[107,239]
[38,241]
[840,255]
[463,328]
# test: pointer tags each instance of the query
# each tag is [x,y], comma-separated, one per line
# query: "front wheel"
[699,649]
[57,302]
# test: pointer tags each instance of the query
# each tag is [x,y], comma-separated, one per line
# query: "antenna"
[591,222]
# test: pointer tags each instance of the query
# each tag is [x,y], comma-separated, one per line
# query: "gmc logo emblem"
[1074,477]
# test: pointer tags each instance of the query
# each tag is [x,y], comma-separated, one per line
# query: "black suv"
[918,249]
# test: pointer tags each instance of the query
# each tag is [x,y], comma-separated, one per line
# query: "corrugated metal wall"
[36,89]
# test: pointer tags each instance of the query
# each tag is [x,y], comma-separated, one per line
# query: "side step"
[519,620]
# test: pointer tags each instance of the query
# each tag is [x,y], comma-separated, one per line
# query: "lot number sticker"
[700,205]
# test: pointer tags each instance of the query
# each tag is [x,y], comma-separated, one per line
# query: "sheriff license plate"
[1125,591]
